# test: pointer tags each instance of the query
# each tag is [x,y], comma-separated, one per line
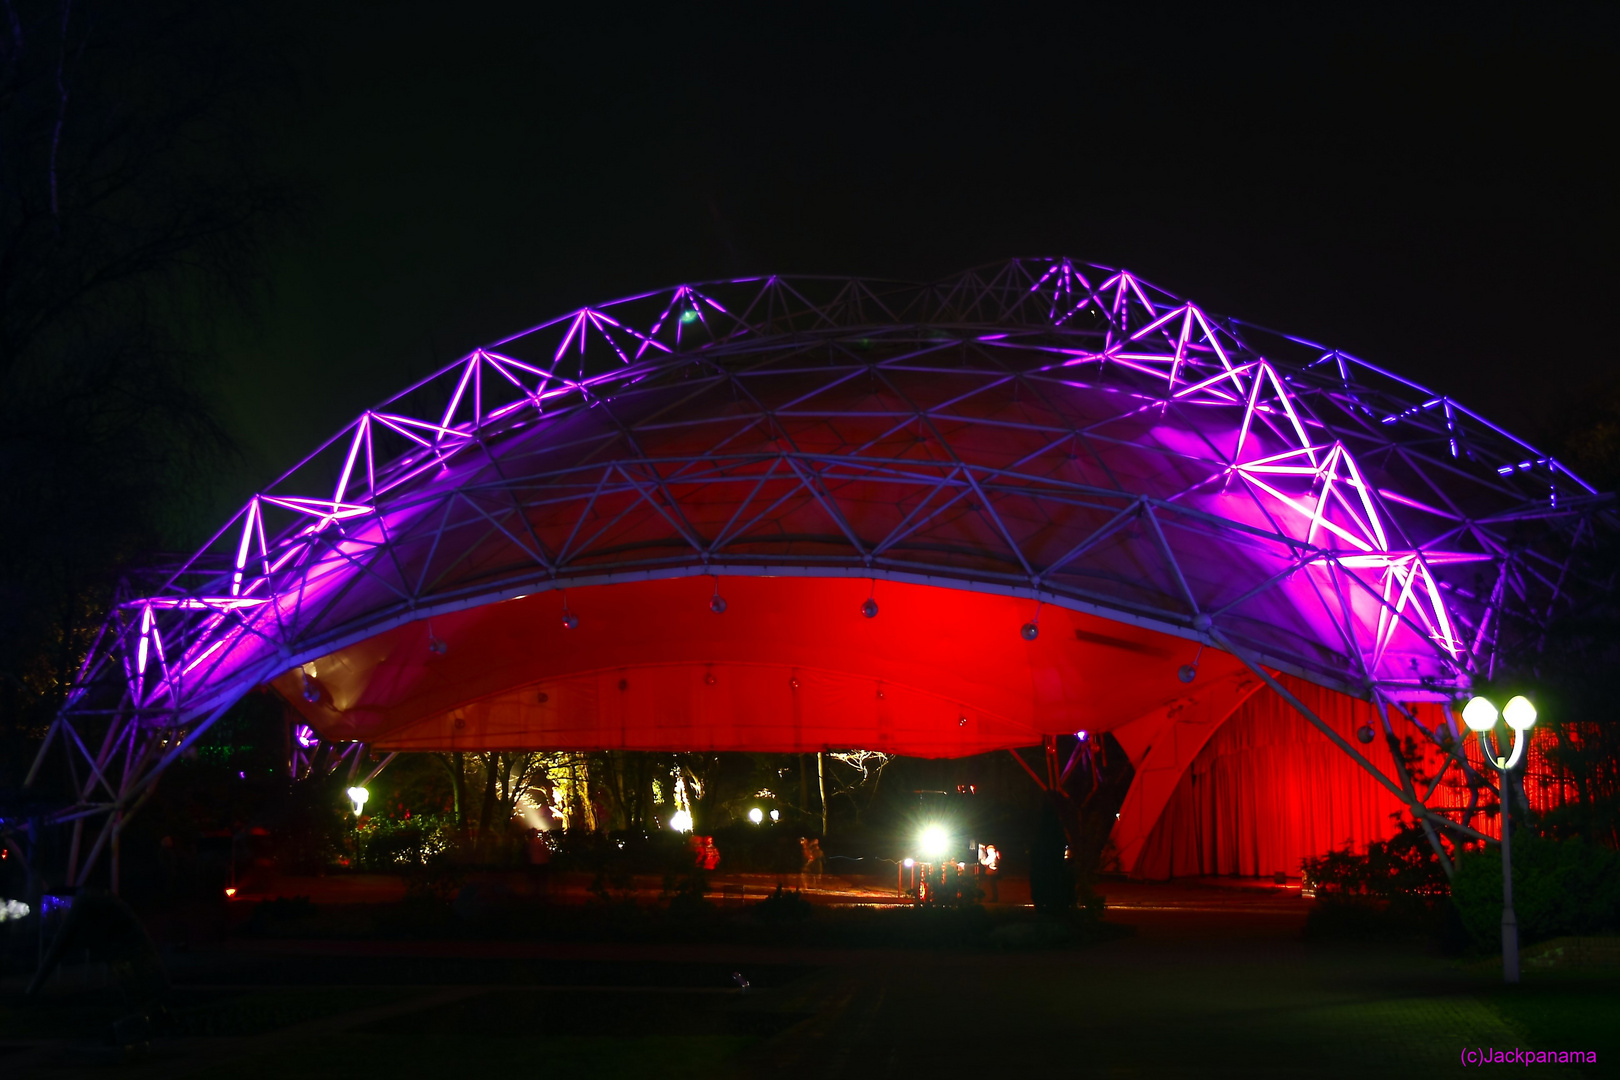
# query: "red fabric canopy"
[792,665]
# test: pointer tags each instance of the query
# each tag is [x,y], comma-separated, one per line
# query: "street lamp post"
[357,796]
[1480,716]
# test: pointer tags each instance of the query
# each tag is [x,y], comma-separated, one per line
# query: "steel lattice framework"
[1058,431]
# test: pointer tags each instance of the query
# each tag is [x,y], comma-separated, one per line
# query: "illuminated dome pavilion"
[792,514]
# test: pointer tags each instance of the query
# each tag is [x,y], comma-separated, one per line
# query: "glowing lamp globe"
[1519,713]
[358,796]
[756,815]
[680,821]
[934,842]
[1480,715]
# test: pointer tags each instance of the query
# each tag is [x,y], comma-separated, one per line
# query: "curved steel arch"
[1059,431]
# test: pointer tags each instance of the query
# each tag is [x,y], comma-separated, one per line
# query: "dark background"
[1432,189]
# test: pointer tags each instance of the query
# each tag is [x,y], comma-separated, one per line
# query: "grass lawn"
[1186,995]
[1564,1011]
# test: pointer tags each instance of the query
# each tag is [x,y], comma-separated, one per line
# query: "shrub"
[1396,888]
[1403,870]
[688,894]
[1559,887]
[783,907]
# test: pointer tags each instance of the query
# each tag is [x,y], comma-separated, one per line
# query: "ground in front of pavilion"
[1212,982]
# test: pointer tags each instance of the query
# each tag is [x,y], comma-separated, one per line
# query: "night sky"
[1432,191]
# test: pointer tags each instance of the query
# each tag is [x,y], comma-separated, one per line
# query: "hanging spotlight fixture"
[436,644]
[717,603]
[570,620]
[1365,733]
[1032,629]
[870,608]
[1188,672]
[312,692]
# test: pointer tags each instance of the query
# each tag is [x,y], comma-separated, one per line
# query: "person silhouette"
[990,870]
[814,862]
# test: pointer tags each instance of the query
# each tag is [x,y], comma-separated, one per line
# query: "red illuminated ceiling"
[791,665]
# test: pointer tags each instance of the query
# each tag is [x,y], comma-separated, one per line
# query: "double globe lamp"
[1480,716]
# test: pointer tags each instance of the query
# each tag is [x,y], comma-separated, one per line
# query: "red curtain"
[1270,790]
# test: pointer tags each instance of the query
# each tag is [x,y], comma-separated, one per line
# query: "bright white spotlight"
[933,841]
[1479,714]
[909,863]
[680,821]
[358,796]
[756,815]
[1519,713]
[776,815]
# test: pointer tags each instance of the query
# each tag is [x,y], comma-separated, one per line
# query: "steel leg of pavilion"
[111,782]
[1055,784]
[1404,790]
[325,758]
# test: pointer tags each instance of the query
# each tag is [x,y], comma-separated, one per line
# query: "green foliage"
[1402,870]
[1559,887]
[417,842]
[1395,889]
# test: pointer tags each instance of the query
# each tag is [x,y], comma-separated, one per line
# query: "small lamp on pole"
[358,796]
[1480,716]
